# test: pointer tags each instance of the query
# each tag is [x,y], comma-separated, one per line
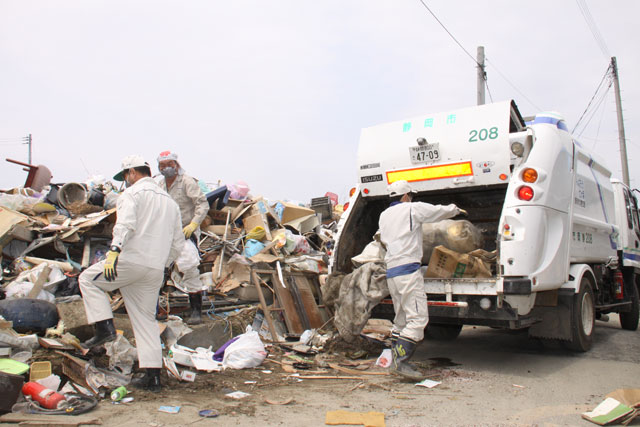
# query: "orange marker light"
[353,190]
[530,175]
[525,193]
[503,176]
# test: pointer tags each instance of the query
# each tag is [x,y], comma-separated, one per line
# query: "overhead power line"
[474,60]
[584,113]
[514,86]
[584,10]
[449,32]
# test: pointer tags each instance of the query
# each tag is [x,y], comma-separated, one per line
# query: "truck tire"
[440,332]
[629,319]
[583,317]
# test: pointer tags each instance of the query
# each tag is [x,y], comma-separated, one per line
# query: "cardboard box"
[292,212]
[447,264]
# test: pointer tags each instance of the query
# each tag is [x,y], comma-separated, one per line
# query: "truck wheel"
[629,320]
[583,318]
[440,332]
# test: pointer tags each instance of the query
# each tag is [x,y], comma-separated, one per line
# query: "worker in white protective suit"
[401,233]
[147,236]
[193,209]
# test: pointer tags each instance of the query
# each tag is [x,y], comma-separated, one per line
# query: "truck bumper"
[468,310]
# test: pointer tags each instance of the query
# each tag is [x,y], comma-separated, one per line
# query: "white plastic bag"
[246,352]
[188,258]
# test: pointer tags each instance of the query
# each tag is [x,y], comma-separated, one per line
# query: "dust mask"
[169,172]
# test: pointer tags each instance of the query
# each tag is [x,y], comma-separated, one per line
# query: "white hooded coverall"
[401,233]
[193,208]
[149,234]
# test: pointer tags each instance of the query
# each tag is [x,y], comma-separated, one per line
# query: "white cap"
[132,161]
[167,155]
[399,188]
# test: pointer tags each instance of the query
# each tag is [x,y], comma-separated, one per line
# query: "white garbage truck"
[566,237]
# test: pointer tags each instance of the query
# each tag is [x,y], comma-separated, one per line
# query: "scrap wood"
[353,371]
[40,281]
[325,377]
[64,266]
[49,420]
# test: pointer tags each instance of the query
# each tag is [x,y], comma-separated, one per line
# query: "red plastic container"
[46,397]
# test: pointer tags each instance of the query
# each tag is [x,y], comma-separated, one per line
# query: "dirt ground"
[488,377]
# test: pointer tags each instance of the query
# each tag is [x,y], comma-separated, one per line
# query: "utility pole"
[482,75]
[28,141]
[621,136]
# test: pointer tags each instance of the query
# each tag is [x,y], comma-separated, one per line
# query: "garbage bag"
[188,258]
[29,314]
[373,252]
[246,352]
[458,235]
[360,291]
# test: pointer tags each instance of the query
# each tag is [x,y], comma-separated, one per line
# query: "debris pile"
[261,263]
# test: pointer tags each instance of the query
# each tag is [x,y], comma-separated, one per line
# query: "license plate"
[425,153]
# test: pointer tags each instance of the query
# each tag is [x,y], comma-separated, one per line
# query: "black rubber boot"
[150,381]
[104,332]
[195,300]
[402,352]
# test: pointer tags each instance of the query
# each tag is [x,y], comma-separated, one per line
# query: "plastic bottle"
[46,397]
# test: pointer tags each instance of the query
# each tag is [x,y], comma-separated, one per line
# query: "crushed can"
[118,394]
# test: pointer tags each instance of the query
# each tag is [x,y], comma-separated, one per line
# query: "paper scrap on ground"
[428,383]
[367,419]
[237,395]
[607,412]
[169,409]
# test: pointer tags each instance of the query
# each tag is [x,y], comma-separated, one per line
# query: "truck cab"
[542,202]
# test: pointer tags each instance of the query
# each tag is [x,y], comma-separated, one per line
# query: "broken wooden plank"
[40,281]
[325,377]
[64,266]
[291,317]
[49,420]
[308,301]
[265,308]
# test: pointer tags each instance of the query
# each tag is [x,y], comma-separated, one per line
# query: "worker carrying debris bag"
[147,236]
[193,204]
[401,233]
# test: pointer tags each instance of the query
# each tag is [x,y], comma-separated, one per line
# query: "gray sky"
[275,92]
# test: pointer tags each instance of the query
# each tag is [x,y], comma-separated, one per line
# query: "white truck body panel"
[472,146]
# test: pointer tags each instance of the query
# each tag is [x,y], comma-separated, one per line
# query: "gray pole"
[621,136]
[30,140]
[481,74]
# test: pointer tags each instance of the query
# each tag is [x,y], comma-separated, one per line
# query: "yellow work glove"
[110,264]
[189,229]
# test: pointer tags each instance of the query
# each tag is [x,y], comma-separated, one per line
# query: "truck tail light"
[345,207]
[365,191]
[530,175]
[525,193]
[618,284]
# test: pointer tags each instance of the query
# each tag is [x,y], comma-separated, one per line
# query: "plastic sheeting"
[360,291]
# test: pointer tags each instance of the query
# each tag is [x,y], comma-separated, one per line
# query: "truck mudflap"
[467,309]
